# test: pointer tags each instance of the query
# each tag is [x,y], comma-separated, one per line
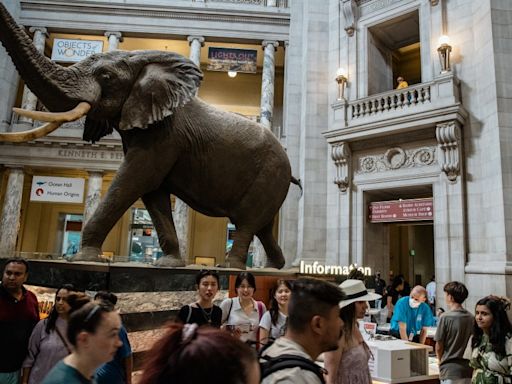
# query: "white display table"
[399,361]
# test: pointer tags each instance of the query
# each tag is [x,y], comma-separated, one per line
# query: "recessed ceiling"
[398,32]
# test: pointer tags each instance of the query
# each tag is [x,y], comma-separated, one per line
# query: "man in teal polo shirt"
[412,316]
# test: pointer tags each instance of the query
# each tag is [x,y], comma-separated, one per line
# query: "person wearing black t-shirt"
[203,311]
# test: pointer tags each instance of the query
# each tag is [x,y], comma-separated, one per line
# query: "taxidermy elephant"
[219,163]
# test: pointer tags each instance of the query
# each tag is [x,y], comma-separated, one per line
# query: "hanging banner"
[73,51]
[232,59]
[57,189]
[401,210]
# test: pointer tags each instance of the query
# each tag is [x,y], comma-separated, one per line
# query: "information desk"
[399,361]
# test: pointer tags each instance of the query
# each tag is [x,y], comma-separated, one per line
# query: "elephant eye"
[105,76]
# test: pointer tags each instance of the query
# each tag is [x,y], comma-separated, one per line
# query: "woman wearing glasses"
[48,343]
[203,311]
[93,332]
[241,315]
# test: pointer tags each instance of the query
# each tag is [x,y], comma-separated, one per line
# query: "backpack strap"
[189,314]
[230,307]
[275,364]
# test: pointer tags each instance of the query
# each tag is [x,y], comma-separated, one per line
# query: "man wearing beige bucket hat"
[349,364]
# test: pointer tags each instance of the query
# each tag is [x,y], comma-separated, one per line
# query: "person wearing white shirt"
[241,315]
[273,322]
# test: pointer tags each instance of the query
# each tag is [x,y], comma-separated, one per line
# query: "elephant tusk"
[56,117]
[36,133]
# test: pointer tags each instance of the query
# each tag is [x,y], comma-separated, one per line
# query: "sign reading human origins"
[73,51]
[401,210]
[57,189]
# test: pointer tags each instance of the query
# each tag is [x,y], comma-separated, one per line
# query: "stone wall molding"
[395,158]
[341,154]
[349,8]
[448,139]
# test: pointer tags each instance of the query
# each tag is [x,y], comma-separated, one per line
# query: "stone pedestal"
[10,217]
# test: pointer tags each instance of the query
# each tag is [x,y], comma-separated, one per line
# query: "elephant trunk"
[50,82]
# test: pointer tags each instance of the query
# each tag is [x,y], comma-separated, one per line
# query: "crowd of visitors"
[83,341]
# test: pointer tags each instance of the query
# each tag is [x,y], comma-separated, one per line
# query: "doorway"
[411,251]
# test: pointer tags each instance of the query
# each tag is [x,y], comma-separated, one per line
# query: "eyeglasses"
[91,314]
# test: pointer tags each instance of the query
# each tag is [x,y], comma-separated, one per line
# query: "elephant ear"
[158,91]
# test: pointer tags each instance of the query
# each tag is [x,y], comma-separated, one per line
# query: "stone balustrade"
[397,110]
[390,101]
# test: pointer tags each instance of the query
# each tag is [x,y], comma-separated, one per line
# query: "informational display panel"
[232,59]
[401,210]
[73,51]
[57,189]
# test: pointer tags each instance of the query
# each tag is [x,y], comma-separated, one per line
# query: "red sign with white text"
[401,210]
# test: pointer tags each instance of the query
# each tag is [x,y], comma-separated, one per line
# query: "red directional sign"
[401,210]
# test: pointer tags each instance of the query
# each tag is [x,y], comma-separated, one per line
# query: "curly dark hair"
[501,327]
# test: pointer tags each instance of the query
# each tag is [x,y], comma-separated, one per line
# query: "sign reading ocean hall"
[401,210]
[57,189]
[232,59]
[73,51]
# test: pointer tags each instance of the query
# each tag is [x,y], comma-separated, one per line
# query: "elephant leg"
[237,257]
[131,182]
[158,204]
[275,258]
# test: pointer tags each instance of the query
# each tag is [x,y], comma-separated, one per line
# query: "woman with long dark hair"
[48,343]
[188,354]
[490,348]
[93,332]
[273,322]
[349,363]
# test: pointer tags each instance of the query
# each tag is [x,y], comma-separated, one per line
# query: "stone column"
[93,197]
[181,211]
[267,108]
[114,38]
[29,100]
[10,218]
[195,42]
[267,83]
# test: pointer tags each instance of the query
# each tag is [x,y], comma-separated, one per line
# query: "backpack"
[269,365]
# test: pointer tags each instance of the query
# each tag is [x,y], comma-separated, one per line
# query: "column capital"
[266,43]
[43,30]
[118,35]
[14,167]
[96,172]
[190,39]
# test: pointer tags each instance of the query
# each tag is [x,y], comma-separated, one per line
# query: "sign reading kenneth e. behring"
[57,189]
[73,51]
[232,59]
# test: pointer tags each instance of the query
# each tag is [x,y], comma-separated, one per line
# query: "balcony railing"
[390,101]
[279,3]
[416,105]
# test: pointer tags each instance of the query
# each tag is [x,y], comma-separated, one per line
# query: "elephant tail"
[297,182]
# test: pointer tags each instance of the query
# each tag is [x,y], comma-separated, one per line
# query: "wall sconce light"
[232,74]
[341,79]
[444,51]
